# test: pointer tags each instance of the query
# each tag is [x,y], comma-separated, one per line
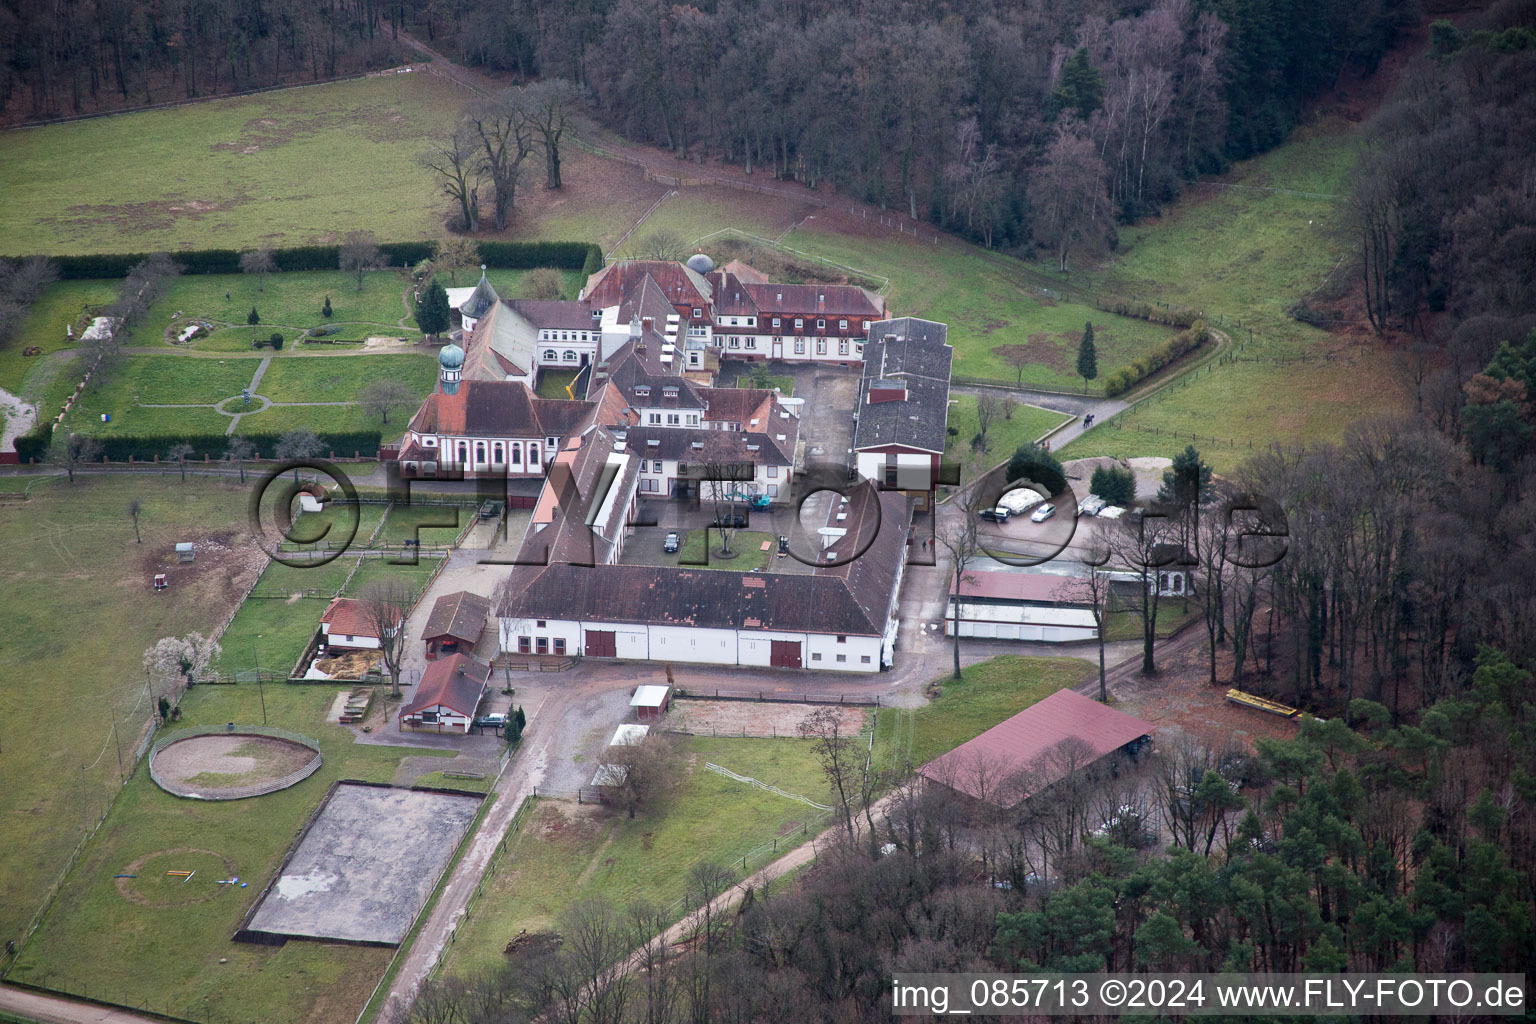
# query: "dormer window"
[799,323]
[653,442]
[643,391]
[669,392]
[842,325]
[753,447]
[697,445]
[821,325]
[698,313]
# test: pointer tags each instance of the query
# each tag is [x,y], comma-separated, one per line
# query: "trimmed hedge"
[34,443]
[1151,312]
[1180,344]
[505,255]
[527,255]
[147,447]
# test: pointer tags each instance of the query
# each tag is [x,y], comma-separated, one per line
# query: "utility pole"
[154,714]
[259,689]
[121,778]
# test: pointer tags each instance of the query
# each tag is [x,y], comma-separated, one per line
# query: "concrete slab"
[367,864]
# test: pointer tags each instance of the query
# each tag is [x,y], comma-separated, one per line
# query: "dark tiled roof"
[480,300]
[857,598]
[628,370]
[460,615]
[814,299]
[456,682]
[556,314]
[913,351]
[713,445]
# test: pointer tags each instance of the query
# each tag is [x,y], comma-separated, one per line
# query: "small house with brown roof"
[447,696]
[347,624]
[455,625]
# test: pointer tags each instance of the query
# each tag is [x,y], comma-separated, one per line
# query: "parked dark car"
[494,720]
[993,515]
[670,544]
[731,520]
[783,546]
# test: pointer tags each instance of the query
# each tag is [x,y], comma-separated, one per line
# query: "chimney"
[647,324]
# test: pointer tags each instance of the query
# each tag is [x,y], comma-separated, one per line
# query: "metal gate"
[602,643]
[785,654]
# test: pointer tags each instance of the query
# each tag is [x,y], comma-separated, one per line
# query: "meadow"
[1246,250]
[566,852]
[80,610]
[169,946]
[281,168]
[1004,434]
[988,692]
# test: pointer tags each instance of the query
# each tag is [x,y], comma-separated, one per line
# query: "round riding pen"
[232,762]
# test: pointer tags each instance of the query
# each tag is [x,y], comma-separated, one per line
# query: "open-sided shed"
[455,625]
[1036,748]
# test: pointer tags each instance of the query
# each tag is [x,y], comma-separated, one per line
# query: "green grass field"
[747,544]
[340,378]
[138,940]
[987,307]
[80,610]
[566,852]
[418,522]
[990,691]
[286,303]
[1004,435]
[279,168]
[1250,255]
[553,383]
[64,302]
[171,379]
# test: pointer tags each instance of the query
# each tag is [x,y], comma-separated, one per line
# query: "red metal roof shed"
[1019,745]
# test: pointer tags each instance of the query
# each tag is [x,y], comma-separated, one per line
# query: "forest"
[1008,124]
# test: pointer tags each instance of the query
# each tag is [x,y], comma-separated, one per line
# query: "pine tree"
[1087,357]
[254,318]
[326,309]
[1082,88]
[432,309]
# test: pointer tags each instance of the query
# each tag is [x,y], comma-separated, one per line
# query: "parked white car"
[1042,513]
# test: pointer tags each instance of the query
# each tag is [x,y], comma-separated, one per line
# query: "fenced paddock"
[363,867]
[223,764]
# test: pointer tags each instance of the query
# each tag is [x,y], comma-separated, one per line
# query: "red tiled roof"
[1010,761]
[349,617]
[456,682]
[681,286]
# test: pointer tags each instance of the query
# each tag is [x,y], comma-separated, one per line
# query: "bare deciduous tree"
[504,138]
[74,451]
[386,603]
[549,105]
[641,773]
[458,168]
[239,451]
[260,263]
[135,507]
[360,254]
[381,397]
[1067,192]
[987,408]
[179,453]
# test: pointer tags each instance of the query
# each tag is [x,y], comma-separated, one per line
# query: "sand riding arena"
[231,764]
